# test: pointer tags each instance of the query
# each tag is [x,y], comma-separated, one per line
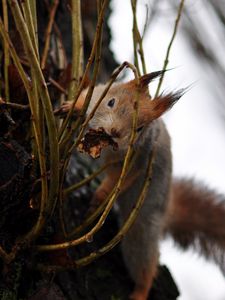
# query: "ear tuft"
[147,78]
[163,103]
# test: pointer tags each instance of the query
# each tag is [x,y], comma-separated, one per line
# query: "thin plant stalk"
[77,58]
[166,61]
[129,222]
[33,8]
[63,61]
[78,185]
[77,48]
[64,144]
[48,33]
[134,30]
[90,116]
[99,209]
[6,50]
[31,20]
[28,87]
[58,86]
[15,106]
[90,219]
[69,151]
[50,121]
[87,69]
[33,11]
[137,41]
[117,188]
[122,232]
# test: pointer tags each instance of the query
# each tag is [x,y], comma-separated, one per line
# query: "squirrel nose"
[115,133]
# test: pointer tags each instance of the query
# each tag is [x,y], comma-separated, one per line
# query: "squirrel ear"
[147,78]
[153,109]
[144,81]
[162,103]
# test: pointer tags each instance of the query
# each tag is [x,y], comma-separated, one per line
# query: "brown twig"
[84,125]
[28,87]
[122,232]
[129,222]
[13,105]
[58,86]
[166,61]
[99,209]
[117,188]
[47,207]
[137,40]
[95,53]
[77,48]
[48,33]
[134,30]
[59,35]
[78,185]
[104,93]
[87,69]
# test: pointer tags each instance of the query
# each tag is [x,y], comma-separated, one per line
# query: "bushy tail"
[196,218]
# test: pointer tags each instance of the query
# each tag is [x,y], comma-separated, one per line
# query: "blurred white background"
[196,123]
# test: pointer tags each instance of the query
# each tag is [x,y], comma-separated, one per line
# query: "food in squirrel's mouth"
[94,141]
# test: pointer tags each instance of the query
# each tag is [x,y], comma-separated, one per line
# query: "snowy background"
[196,123]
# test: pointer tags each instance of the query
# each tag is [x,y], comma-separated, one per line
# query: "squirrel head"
[115,112]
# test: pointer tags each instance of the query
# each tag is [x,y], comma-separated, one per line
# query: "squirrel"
[191,213]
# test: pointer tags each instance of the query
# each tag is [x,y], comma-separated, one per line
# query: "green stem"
[166,61]
[129,222]
[50,121]
[78,185]
[28,87]
[90,116]
[117,189]
[62,134]
[134,30]
[31,20]
[77,48]
[122,232]
[48,33]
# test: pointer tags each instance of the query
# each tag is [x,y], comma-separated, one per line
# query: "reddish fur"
[80,102]
[108,183]
[141,291]
[144,82]
[196,217]
[149,110]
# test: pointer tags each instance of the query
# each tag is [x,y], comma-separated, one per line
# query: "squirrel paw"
[64,108]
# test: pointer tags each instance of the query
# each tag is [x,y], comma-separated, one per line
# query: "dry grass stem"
[47,207]
[166,61]
[48,33]
[84,77]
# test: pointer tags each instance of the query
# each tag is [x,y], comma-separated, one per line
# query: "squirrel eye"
[140,128]
[111,102]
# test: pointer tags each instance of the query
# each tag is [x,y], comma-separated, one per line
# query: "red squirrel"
[191,213]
